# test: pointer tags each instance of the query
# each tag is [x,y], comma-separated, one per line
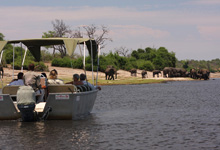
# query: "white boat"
[64,101]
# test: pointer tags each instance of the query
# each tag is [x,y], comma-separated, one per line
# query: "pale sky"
[189,28]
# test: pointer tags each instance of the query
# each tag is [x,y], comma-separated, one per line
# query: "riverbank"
[123,77]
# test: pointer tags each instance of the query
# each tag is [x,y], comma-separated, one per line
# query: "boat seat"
[88,88]
[11,90]
[79,88]
[83,88]
[65,88]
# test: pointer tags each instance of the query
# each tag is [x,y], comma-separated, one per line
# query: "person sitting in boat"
[18,81]
[85,82]
[32,79]
[76,80]
[53,78]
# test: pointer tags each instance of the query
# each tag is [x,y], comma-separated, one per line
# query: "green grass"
[128,81]
[119,81]
[122,81]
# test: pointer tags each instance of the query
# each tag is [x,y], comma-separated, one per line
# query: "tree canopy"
[60,29]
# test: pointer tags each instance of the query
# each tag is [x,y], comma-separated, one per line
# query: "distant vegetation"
[145,59]
[212,65]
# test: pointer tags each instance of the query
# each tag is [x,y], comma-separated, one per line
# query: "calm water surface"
[174,115]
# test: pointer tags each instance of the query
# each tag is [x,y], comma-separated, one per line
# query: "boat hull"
[68,106]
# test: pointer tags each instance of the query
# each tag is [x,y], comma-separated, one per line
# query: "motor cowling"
[26,102]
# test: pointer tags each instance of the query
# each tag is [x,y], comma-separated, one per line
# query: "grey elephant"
[143,74]
[109,73]
[133,72]
[180,72]
[168,72]
[156,72]
[204,74]
[193,73]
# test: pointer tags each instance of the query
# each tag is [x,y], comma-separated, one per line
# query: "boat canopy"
[34,45]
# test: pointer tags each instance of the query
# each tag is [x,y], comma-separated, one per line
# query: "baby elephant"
[156,72]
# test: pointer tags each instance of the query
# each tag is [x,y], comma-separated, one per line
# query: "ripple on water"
[173,115]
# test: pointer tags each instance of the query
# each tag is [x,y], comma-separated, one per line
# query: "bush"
[145,65]
[61,62]
[41,67]
[46,56]
[77,63]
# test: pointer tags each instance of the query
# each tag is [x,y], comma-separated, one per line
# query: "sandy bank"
[67,73]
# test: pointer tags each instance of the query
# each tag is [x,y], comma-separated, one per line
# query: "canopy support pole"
[84,60]
[24,59]
[2,66]
[13,61]
[84,56]
[92,62]
[1,56]
[21,52]
[98,64]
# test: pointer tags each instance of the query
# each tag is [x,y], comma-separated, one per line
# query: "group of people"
[33,79]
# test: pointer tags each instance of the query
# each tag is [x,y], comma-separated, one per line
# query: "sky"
[189,28]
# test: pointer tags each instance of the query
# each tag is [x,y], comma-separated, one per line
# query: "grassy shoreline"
[127,81]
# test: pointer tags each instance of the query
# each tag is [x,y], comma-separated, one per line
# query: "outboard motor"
[26,101]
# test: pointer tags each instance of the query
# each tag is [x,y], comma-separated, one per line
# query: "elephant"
[193,73]
[1,71]
[133,72]
[143,74]
[156,72]
[115,72]
[168,72]
[180,72]
[204,74]
[109,73]
[187,74]
[174,72]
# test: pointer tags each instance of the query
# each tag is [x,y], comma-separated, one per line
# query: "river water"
[173,115]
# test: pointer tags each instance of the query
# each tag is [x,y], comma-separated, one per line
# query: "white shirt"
[17,82]
[55,81]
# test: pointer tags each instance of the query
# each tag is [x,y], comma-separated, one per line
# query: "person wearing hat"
[53,78]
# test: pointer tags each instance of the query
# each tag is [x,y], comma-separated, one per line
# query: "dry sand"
[67,73]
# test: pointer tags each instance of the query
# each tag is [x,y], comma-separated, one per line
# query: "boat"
[64,102]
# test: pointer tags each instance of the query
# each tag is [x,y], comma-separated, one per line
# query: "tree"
[135,54]
[93,33]
[122,51]
[60,29]
[1,37]
[77,33]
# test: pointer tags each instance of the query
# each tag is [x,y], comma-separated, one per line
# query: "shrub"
[145,65]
